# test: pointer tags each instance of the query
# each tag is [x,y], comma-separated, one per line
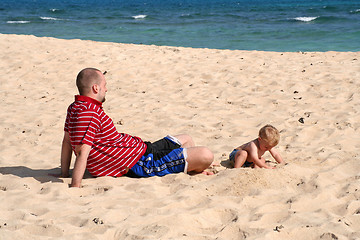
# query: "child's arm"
[276,155]
[253,155]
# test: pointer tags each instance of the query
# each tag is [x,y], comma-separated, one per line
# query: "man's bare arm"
[82,154]
[66,153]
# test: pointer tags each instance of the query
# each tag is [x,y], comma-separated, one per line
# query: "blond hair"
[270,135]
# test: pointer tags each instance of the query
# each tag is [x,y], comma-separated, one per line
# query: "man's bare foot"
[215,164]
[207,173]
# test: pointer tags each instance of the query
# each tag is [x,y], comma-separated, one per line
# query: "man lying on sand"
[250,154]
[92,135]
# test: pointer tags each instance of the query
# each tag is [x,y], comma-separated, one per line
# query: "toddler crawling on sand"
[250,154]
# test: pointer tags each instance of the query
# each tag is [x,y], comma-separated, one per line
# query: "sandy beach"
[219,97]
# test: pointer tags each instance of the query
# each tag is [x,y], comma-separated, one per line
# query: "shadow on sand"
[41,175]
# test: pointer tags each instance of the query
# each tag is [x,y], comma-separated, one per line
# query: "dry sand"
[219,97]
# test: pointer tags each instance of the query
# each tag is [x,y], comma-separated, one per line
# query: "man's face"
[103,89]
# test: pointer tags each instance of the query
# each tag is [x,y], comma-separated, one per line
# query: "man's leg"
[198,159]
[186,140]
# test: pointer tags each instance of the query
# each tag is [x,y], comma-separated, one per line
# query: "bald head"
[86,79]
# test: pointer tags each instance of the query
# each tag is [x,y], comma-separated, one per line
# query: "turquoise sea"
[270,25]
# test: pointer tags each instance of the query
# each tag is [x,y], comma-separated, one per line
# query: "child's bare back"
[250,154]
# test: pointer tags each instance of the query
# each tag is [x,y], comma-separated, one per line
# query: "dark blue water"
[270,25]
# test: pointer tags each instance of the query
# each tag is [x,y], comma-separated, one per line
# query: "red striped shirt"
[111,152]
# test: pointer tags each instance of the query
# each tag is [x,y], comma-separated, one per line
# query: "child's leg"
[240,158]
[262,160]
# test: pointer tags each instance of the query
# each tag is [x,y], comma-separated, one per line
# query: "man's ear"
[95,88]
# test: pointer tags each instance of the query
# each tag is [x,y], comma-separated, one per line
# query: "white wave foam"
[139,16]
[54,9]
[17,22]
[49,18]
[355,11]
[305,19]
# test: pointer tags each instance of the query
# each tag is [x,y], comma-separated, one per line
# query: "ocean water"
[269,25]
